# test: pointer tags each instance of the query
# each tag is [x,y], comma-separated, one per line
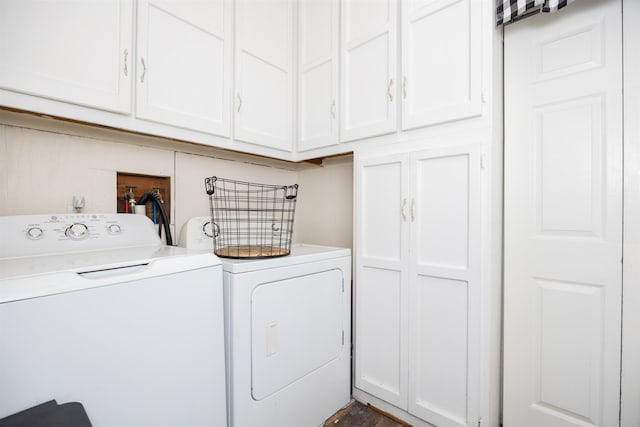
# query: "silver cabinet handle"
[126,69]
[413,208]
[404,216]
[333,109]
[144,70]
[404,87]
[239,101]
[389,86]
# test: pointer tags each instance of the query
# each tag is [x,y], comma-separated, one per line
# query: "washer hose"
[157,202]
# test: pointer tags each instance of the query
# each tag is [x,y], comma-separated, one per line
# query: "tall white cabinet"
[264,73]
[184,64]
[74,51]
[417,292]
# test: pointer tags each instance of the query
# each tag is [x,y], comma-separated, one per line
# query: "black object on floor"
[49,414]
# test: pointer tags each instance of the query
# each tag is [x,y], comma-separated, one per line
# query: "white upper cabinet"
[263,73]
[368,76]
[184,64]
[318,39]
[73,51]
[441,61]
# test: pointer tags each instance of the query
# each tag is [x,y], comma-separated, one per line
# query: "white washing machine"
[288,323]
[95,309]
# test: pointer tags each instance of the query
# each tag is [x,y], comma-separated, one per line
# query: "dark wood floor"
[359,415]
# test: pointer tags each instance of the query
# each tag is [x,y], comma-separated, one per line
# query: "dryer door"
[296,328]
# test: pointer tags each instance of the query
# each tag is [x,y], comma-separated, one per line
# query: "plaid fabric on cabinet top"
[509,10]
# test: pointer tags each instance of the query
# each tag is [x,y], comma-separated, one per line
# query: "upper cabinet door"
[73,50]
[441,61]
[369,86]
[263,76]
[318,85]
[184,64]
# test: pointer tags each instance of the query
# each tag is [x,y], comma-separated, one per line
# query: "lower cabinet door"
[381,279]
[444,286]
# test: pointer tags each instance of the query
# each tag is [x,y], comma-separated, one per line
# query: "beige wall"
[44,163]
[325,203]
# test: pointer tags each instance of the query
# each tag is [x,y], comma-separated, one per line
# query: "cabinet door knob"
[126,56]
[413,208]
[404,87]
[239,101]
[333,109]
[404,216]
[144,70]
[389,86]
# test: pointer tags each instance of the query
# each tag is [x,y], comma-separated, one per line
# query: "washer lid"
[30,277]
[300,253]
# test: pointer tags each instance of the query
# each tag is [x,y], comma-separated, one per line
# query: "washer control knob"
[114,229]
[77,231]
[35,233]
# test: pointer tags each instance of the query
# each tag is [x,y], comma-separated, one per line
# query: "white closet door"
[630,411]
[441,61]
[381,278]
[444,286]
[184,68]
[73,50]
[368,76]
[563,217]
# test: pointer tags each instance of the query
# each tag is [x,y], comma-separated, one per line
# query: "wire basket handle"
[291,192]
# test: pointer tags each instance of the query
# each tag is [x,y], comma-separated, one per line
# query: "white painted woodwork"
[72,51]
[563,217]
[441,61]
[318,73]
[444,286]
[368,68]
[184,65]
[630,390]
[263,73]
[417,282]
[381,278]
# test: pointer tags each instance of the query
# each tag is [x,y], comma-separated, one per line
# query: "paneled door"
[444,286]
[318,73]
[441,81]
[263,73]
[368,68]
[381,279]
[72,51]
[563,217]
[184,64]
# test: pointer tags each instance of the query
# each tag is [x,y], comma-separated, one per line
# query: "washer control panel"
[29,235]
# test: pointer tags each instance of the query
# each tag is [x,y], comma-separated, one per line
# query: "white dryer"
[94,309]
[288,323]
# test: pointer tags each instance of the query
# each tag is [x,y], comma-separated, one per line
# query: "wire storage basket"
[251,220]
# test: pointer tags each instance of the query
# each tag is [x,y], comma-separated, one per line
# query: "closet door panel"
[563,217]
